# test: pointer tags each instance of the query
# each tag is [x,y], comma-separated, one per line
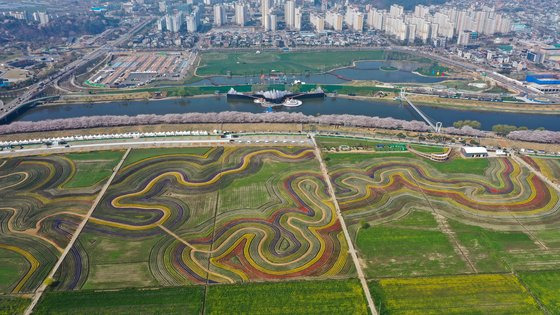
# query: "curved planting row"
[383,189]
[549,167]
[37,214]
[296,234]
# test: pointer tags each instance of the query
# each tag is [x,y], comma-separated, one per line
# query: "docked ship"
[276,98]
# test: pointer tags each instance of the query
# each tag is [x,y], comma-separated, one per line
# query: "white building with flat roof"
[472,152]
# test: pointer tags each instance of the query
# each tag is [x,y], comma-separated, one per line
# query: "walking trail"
[43,287]
[351,248]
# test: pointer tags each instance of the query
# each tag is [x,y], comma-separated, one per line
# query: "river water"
[328,105]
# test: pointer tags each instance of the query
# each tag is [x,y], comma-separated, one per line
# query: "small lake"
[363,70]
[328,105]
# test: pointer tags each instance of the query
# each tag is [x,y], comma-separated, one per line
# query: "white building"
[290,14]
[265,12]
[358,22]
[240,14]
[396,10]
[43,18]
[298,19]
[334,20]
[273,23]
[219,15]
[318,22]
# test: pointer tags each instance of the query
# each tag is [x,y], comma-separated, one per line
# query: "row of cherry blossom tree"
[279,117]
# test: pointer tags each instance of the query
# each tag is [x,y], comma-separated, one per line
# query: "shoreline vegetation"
[348,92]
[358,121]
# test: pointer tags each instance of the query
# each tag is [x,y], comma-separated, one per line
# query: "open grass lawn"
[116,262]
[140,154]
[330,142]
[335,159]
[336,142]
[13,305]
[92,167]
[175,300]
[251,63]
[460,165]
[499,251]
[469,294]
[12,267]
[428,148]
[545,286]
[293,297]
[411,246]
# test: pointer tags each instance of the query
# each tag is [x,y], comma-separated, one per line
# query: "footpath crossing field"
[197,230]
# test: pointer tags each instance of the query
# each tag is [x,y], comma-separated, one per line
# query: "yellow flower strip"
[181,180]
[29,257]
[25,177]
[295,270]
[392,177]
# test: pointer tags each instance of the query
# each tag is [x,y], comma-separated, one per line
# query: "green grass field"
[334,159]
[118,262]
[472,294]
[13,305]
[250,63]
[500,251]
[335,142]
[428,148]
[92,167]
[299,297]
[411,246]
[13,267]
[174,300]
[460,165]
[545,285]
[140,154]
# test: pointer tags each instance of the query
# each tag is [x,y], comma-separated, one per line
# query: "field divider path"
[39,292]
[351,248]
[535,239]
[446,229]
[539,174]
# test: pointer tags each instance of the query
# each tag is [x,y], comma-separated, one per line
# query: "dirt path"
[444,227]
[539,174]
[555,186]
[43,287]
[351,248]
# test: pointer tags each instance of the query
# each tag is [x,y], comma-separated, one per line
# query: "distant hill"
[407,4]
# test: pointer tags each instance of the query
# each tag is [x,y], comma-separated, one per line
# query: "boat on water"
[290,102]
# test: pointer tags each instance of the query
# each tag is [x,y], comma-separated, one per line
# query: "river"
[328,105]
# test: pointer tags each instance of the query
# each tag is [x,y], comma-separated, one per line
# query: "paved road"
[267,140]
[43,286]
[351,248]
[42,85]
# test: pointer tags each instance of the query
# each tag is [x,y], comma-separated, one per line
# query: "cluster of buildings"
[177,21]
[136,69]
[40,17]
[439,24]
[422,24]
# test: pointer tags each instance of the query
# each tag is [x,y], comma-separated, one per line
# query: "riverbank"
[388,96]
[465,105]
[273,128]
